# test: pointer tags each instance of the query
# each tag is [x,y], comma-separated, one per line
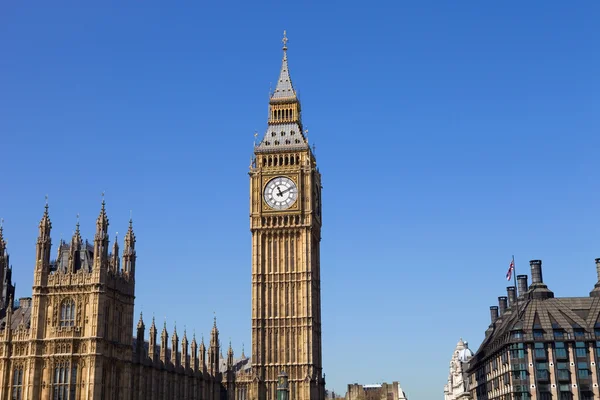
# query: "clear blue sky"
[450,135]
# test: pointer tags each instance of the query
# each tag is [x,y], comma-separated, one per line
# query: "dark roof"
[576,317]
[20,315]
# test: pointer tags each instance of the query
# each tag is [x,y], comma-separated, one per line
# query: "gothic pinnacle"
[45,224]
[140,324]
[130,236]
[102,222]
[76,235]
[2,241]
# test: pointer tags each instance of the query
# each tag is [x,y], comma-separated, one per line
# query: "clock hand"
[279,190]
[286,190]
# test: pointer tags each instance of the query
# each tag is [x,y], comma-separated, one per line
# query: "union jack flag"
[511,269]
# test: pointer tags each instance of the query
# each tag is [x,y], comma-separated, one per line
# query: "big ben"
[285,221]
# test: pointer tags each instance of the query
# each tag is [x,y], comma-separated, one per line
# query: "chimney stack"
[538,290]
[522,285]
[502,300]
[536,271]
[596,291]
[512,296]
[494,313]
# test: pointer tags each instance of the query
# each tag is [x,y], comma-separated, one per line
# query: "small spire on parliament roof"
[102,221]
[45,224]
[2,241]
[141,321]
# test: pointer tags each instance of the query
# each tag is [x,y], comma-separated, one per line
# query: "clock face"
[281,193]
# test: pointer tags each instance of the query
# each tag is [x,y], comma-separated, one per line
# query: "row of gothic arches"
[283,114]
[275,161]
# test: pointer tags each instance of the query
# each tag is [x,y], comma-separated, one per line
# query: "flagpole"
[516,292]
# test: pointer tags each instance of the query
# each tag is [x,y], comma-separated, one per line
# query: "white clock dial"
[281,193]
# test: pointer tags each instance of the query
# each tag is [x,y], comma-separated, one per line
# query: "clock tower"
[285,221]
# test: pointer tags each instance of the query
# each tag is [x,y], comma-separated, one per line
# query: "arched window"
[65,381]
[17,389]
[67,313]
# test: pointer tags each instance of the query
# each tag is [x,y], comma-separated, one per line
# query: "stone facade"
[538,346]
[380,391]
[457,387]
[72,339]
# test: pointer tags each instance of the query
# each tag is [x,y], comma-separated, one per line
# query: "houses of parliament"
[76,337]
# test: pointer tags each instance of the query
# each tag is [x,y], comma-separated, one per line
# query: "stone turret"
[101,241]
[194,354]
[185,361]
[140,339]
[152,342]
[129,256]
[164,340]
[174,347]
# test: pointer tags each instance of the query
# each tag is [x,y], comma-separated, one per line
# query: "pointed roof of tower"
[164,333]
[214,331]
[130,236]
[116,245]
[76,235]
[45,224]
[2,241]
[140,324]
[285,130]
[153,326]
[284,88]
[102,221]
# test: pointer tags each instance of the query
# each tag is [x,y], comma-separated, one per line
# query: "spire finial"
[77,224]
[284,40]
[46,197]
[103,197]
